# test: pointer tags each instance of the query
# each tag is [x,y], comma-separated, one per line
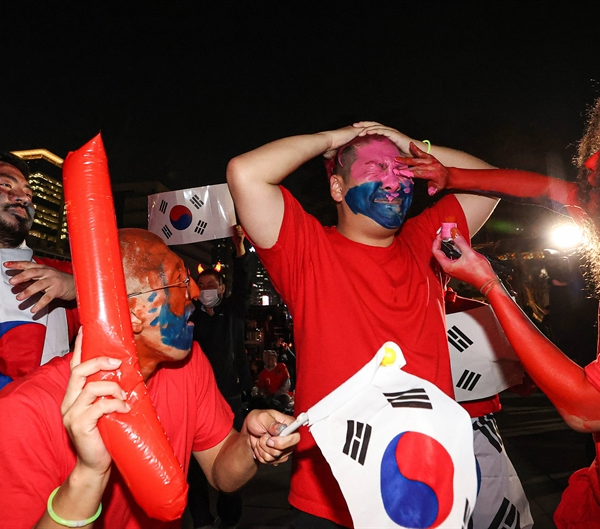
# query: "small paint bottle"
[448,246]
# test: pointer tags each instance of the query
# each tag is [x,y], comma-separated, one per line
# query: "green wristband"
[70,523]
[428,143]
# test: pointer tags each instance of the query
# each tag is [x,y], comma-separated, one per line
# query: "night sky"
[177,89]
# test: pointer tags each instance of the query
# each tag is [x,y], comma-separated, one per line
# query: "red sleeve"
[214,418]
[32,447]
[287,258]
[592,372]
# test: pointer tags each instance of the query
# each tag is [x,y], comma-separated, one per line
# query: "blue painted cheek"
[174,330]
[361,199]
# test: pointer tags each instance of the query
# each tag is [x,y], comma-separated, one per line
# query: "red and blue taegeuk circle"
[181,217]
[417,475]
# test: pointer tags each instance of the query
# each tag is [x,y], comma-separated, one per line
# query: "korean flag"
[483,362]
[192,215]
[400,449]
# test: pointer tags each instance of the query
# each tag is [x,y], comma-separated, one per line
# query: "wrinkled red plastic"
[136,441]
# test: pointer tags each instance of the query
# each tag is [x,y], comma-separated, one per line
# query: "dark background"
[179,88]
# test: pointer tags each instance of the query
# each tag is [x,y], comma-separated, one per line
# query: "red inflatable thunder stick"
[136,440]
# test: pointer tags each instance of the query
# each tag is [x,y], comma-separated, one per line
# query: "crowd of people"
[373,277]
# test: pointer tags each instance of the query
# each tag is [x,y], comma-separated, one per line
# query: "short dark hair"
[211,272]
[18,163]
[341,163]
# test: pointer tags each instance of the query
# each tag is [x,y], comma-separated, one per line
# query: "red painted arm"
[513,184]
[136,441]
[563,381]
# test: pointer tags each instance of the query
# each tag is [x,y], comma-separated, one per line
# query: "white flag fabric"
[400,449]
[483,362]
[192,215]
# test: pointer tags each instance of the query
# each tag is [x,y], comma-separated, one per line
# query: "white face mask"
[210,297]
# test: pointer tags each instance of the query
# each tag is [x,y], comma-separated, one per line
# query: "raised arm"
[563,381]
[520,186]
[254,177]
[477,208]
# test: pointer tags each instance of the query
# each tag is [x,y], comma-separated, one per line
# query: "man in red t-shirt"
[38,314]
[351,287]
[42,454]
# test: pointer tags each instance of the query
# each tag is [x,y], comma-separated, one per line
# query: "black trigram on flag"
[466,516]
[413,398]
[358,436]
[200,227]
[163,206]
[488,427]
[507,517]
[195,200]
[166,231]
[459,339]
[468,380]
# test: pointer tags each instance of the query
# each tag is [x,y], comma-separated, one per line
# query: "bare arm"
[80,494]
[253,178]
[563,381]
[516,185]
[234,461]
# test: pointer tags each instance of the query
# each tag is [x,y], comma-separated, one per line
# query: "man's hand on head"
[337,138]
[37,278]
[402,141]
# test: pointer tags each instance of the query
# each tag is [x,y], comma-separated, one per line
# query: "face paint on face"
[384,190]
[174,330]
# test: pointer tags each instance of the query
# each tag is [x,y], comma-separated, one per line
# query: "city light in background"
[566,236]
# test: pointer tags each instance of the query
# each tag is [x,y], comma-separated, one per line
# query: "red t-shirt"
[37,455]
[270,381]
[346,300]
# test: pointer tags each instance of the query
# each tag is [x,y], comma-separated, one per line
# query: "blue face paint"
[174,330]
[371,200]
[152,297]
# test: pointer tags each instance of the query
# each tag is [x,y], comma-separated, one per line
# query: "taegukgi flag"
[192,215]
[483,361]
[400,449]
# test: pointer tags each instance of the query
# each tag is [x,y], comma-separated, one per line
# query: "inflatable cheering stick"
[136,440]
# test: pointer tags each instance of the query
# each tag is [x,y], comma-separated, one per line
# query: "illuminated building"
[263,291]
[48,235]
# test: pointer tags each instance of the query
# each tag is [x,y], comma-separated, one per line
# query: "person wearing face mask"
[219,327]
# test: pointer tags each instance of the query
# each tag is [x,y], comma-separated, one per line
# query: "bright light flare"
[566,236]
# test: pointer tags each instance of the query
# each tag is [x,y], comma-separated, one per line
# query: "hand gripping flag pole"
[136,440]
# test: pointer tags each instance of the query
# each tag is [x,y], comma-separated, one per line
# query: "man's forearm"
[235,465]
[520,185]
[272,162]
[77,498]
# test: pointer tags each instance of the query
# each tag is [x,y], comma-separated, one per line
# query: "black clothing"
[222,335]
